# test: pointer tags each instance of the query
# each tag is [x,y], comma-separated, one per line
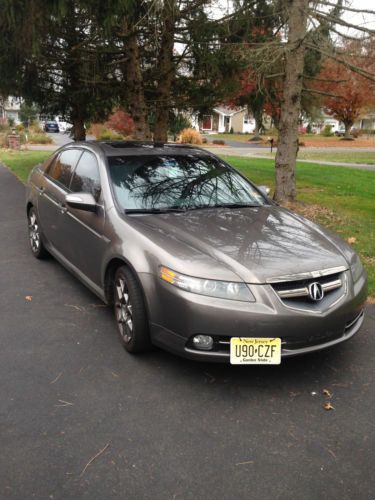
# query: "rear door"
[51,202]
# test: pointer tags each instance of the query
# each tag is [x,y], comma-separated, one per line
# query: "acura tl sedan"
[191,255]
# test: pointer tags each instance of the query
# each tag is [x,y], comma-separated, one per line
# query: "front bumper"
[176,316]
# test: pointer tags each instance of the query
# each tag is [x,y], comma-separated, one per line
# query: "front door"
[83,230]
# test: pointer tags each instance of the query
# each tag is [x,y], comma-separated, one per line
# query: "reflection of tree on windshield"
[183,181]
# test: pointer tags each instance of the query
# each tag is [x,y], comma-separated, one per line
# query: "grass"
[231,137]
[344,157]
[342,199]
[21,162]
[339,157]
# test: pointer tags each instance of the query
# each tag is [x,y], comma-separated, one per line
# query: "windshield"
[152,183]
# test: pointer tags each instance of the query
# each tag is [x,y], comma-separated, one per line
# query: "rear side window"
[86,177]
[46,165]
[61,170]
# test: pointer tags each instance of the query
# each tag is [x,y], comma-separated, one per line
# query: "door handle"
[63,208]
[41,190]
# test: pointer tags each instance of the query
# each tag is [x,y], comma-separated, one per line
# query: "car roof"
[135,148]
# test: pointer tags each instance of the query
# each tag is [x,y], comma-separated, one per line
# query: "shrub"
[177,123]
[35,128]
[3,140]
[102,133]
[327,131]
[231,131]
[109,135]
[121,122]
[96,129]
[190,136]
[218,142]
[39,139]
[20,127]
[4,127]
[204,140]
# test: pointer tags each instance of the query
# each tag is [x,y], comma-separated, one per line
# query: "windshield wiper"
[224,205]
[153,210]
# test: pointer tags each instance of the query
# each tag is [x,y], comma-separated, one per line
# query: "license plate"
[257,351]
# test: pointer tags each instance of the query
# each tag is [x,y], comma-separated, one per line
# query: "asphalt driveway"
[81,418]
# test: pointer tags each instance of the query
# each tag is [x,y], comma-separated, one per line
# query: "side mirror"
[81,201]
[264,190]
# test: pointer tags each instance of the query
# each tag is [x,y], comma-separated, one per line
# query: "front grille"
[300,288]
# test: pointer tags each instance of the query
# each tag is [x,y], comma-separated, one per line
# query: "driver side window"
[86,177]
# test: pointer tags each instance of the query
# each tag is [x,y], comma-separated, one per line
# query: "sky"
[364,20]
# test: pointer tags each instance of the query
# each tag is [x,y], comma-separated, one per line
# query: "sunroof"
[129,144]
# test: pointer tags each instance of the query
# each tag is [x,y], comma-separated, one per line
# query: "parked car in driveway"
[51,126]
[191,255]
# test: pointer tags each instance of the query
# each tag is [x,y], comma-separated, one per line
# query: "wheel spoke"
[34,235]
[123,310]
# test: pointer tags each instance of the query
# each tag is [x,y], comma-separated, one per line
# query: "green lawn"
[231,137]
[344,157]
[341,199]
[21,162]
[339,157]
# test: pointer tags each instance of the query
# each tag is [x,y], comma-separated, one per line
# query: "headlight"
[211,288]
[356,268]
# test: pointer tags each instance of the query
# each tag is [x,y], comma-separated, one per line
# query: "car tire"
[35,236]
[130,312]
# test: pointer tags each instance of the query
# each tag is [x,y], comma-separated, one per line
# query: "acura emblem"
[316,291]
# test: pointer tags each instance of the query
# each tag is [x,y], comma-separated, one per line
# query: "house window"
[207,122]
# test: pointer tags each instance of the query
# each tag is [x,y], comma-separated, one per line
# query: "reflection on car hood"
[257,244]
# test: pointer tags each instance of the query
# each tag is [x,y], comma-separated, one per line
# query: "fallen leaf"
[328,406]
[327,393]
[351,240]
[29,298]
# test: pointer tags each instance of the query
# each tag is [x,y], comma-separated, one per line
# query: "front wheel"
[35,237]
[130,312]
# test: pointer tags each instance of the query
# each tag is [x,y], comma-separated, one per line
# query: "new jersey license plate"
[255,351]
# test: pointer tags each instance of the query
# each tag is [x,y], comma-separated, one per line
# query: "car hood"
[257,244]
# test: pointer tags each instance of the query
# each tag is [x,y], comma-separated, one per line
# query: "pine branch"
[337,20]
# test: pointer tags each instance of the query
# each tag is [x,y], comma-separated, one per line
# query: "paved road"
[60,139]
[171,429]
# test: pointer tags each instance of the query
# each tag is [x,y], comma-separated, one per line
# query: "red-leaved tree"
[121,122]
[351,93]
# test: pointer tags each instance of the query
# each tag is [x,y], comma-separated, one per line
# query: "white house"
[10,108]
[223,119]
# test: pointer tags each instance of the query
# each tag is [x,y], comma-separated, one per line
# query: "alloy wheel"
[34,234]
[124,310]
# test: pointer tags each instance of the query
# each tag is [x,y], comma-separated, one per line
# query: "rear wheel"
[130,312]
[35,236]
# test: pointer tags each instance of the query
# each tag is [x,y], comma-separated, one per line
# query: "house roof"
[228,111]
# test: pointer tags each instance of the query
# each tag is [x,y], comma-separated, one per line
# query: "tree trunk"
[287,148]
[258,117]
[165,69]
[78,129]
[135,92]
[348,127]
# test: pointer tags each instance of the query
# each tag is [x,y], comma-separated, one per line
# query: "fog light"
[203,342]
